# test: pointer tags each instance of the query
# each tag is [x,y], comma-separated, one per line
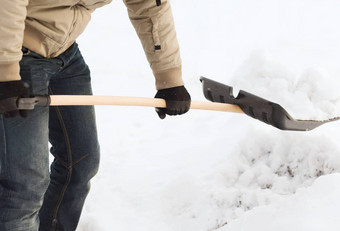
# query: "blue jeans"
[32,196]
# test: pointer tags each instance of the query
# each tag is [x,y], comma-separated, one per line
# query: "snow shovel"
[258,108]
[221,95]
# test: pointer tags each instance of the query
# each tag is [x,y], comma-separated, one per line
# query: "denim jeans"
[32,195]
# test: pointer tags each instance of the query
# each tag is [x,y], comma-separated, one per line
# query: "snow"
[302,211]
[311,94]
[207,170]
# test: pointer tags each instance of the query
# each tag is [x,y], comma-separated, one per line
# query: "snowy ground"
[206,170]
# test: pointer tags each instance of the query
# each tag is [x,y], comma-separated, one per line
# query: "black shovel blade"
[257,107]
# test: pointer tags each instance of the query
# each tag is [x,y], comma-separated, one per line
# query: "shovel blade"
[256,107]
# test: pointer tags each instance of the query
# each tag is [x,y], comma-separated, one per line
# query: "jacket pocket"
[147,30]
[155,34]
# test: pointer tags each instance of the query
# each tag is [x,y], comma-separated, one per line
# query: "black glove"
[177,101]
[10,92]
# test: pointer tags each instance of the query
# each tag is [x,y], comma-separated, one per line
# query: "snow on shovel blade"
[258,108]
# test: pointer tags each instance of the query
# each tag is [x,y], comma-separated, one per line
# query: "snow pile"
[263,169]
[313,209]
[309,93]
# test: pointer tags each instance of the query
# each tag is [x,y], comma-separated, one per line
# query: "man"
[39,56]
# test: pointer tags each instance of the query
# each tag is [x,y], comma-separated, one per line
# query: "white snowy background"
[221,171]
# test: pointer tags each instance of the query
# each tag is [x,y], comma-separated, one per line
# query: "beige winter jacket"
[49,27]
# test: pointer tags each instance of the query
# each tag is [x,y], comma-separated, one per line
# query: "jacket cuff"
[9,72]
[169,78]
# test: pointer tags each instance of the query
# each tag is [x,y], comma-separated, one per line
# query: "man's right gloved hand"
[10,92]
[177,99]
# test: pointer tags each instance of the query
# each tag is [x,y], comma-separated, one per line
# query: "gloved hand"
[177,101]
[10,92]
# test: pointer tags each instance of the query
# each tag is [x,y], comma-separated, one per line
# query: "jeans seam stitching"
[73,162]
[69,167]
[5,150]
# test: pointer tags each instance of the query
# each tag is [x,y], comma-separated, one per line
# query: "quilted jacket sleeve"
[12,24]
[154,24]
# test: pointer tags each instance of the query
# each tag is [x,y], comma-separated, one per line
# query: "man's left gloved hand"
[177,101]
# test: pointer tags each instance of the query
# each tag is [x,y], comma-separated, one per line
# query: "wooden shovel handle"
[64,100]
